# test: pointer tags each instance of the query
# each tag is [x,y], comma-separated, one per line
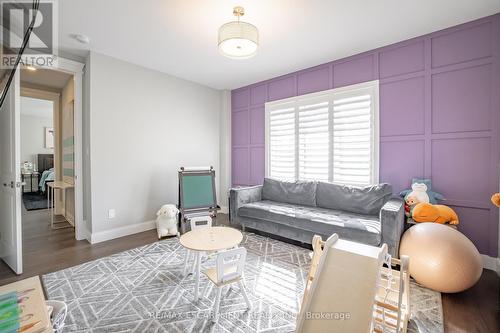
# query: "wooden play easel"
[197,195]
[347,277]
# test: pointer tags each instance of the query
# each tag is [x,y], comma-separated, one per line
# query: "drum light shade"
[238,40]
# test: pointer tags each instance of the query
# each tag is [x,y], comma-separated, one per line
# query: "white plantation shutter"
[281,145]
[313,140]
[330,136]
[353,138]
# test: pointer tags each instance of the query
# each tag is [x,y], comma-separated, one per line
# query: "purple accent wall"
[439,114]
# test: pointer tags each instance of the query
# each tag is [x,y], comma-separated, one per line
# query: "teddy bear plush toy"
[495,198]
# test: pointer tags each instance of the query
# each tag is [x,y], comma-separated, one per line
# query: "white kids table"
[209,239]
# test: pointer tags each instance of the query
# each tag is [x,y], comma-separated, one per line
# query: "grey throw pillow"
[362,200]
[298,192]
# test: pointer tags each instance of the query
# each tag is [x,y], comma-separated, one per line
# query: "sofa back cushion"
[298,192]
[362,200]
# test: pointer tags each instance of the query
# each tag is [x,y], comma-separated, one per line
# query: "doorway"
[37,152]
[47,160]
[41,84]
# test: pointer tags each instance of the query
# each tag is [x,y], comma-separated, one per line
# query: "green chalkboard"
[197,191]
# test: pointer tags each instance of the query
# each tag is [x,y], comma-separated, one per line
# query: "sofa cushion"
[362,200]
[356,227]
[298,192]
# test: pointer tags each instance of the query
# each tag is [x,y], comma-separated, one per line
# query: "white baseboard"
[86,233]
[102,236]
[491,263]
[224,210]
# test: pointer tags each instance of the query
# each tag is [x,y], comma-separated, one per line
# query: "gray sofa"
[299,210]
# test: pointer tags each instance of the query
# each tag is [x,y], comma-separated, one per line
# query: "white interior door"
[10,179]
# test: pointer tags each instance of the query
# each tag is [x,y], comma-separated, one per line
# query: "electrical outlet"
[111,214]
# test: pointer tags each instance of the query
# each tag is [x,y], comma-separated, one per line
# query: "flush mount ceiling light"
[238,40]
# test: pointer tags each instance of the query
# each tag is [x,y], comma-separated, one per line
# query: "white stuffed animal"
[419,193]
[166,221]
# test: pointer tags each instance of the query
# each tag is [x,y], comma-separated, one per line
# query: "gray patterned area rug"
[143,290]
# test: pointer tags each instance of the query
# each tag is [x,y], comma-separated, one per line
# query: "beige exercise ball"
[441,258]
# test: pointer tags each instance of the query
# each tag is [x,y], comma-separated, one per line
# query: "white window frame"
[330,94]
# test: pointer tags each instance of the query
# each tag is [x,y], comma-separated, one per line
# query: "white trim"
[105,235]
[295,101]
[86,233]
[224,209]
[75,68]
[491,263]
[266,140]
[376,133]
[40,94]
[225,148]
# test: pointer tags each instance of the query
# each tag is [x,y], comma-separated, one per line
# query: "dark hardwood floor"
[46,250]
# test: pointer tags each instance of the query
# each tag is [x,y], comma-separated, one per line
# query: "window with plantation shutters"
[330,136]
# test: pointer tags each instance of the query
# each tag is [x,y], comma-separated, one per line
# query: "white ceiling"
[36,107]
[179,37]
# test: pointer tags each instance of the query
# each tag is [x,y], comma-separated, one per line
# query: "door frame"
[16,260]
[75,69]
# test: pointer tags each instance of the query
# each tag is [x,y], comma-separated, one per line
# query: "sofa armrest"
[240,196]
[392,217]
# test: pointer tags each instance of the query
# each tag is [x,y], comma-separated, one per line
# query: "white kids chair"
[196,223]
[228,270]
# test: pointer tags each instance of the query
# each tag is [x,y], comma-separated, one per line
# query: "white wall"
[144,125]
[33,137]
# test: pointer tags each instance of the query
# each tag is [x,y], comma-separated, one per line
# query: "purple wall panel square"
[282,88]
[256,128]
[240,166]
[474,223]
[314,80]
[461,168]
[240,98]
[402,107]
[400,161]
[354,71]
[402,60]
[466,44]
[256,165]
[258,94]
[240,128]
[461,100]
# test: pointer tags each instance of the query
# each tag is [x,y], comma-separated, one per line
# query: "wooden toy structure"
[349,290]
